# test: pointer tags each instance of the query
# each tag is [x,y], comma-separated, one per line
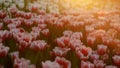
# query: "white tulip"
[29,6]
[18,1]
[21,5]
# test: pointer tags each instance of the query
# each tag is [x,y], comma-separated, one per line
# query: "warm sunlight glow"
[91,4]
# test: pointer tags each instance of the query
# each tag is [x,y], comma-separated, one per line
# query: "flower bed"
[41,34]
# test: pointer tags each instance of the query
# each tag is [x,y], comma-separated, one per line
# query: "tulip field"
[59,33]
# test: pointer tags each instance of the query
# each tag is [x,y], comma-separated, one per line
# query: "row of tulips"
[37,36]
